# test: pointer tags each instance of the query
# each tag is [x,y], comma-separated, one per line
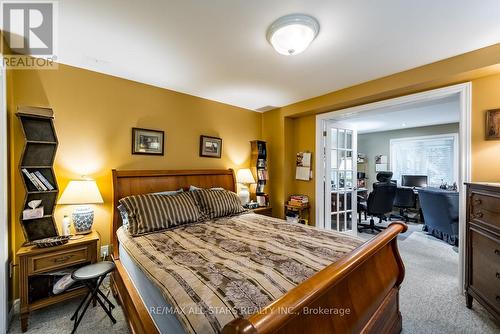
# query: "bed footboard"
[357,294]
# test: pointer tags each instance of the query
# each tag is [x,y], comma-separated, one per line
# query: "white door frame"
[464,91]
[4,262]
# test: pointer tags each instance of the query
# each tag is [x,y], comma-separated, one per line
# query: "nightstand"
[301,211]
[37,264]
[264,210]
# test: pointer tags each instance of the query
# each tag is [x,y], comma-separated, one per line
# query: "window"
[434,156]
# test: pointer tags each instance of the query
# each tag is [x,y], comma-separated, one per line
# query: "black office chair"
[379,201]
[405,199]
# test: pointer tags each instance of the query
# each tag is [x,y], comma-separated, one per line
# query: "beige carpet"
[56,319]
[430,298]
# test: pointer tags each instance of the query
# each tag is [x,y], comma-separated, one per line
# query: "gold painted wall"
[485,153]
[273,132]
[94,114]
[304,139]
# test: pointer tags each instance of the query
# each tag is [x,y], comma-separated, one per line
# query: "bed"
[364,281]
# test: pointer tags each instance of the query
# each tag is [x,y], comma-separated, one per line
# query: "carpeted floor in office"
[430,298]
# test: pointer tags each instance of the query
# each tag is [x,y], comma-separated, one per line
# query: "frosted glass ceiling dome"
[292,34]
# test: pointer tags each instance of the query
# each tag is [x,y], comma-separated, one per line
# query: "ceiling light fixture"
[291,34]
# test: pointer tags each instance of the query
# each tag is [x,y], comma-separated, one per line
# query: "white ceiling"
[217,49]
[440,111]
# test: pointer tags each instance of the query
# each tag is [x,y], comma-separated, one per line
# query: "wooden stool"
[92,276]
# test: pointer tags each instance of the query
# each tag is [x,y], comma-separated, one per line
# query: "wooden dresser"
[482,275]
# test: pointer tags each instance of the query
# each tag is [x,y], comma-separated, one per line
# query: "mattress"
[218,270]
[159,309]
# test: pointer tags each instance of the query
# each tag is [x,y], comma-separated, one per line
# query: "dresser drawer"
[485,270]
[485,209]
[61,259]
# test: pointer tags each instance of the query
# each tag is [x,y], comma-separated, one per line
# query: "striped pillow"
[218,202]
[150,212]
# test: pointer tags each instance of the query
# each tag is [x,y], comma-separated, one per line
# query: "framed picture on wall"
[493,124]
[145,141]
[210,147]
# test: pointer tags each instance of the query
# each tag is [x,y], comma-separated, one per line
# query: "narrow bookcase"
[258,164]
[38,156]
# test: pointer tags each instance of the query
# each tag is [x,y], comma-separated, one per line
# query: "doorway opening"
[339,182]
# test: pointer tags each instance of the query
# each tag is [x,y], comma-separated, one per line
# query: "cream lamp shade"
[81,192]
[244,176]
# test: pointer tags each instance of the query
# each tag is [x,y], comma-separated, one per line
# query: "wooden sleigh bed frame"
[365,283]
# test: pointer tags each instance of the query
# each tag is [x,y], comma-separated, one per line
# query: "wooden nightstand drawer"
[60,259]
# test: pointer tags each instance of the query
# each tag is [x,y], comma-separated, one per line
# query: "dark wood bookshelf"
[38,155]
[258,165]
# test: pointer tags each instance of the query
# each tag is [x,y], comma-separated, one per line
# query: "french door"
[340,177]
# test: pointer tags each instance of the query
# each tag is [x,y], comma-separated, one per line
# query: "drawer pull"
[498,298]
[477,201]
[497,252]
[62,259]
[478,215]
[497,275]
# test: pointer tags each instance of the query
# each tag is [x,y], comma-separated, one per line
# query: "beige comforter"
[215,271]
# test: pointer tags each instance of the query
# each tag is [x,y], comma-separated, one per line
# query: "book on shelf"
[262,174]
[298,200]
[302,198]
[42,186]
[38,180]
[32,180]
[295,203]
[44,180]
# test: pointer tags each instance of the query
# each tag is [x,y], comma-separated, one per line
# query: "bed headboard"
[136,182]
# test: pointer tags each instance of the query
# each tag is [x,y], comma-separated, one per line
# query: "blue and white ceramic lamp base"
[83,218]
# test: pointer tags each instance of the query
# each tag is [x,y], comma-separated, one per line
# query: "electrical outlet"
[104,251]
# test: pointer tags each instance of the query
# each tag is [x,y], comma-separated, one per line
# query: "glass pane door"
[340,178]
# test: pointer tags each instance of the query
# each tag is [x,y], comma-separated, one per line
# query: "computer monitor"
[417,181]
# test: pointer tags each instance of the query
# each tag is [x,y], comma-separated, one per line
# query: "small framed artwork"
[210,147]
[146,141]
[493,124]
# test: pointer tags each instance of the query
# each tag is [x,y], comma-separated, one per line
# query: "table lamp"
[81,193]
[244,177]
